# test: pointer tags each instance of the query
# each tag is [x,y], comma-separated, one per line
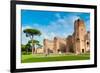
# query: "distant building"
[56,46]
[78,42]
[39,51]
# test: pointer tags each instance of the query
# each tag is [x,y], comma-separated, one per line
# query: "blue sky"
[51,23]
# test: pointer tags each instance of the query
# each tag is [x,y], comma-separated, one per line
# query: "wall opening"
[82,50]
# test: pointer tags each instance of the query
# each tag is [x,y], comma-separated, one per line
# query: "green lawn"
[53,57]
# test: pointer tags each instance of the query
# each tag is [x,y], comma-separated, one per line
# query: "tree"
[39,45]
[23,48]
[27,46]
[36,43]
[31,33]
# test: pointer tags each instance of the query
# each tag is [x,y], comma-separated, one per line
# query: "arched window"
[87,43]
[82,50]
[77,39]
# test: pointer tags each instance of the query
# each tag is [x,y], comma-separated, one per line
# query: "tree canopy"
[31,32]
[34,41]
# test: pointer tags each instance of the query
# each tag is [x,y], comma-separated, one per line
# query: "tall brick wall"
[78,42]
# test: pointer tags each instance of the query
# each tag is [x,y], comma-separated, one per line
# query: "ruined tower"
[79,37]
[78,42]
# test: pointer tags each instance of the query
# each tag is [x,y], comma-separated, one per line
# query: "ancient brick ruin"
[78,42]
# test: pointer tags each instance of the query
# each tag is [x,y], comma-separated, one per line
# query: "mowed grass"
[53,57]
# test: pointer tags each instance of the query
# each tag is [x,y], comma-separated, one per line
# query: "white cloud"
[52,35]
[54,28]
[66,20]
[61,20]
[45,36]
[24,38]
[61,24]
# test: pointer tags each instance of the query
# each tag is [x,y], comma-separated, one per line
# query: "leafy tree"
[35,43]
[39,45]
[23,48]
[27,46]
[31,33]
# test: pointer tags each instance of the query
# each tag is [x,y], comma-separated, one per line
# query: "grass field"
[53,57]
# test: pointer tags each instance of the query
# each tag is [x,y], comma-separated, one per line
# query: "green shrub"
[24,53]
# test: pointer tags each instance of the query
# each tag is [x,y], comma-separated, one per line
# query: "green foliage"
[32,32]
[27,46]
[34,41]
[24,52]
[39,45]
[23,47]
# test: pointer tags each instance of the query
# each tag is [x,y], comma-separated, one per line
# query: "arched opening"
[87,43]
[82,50]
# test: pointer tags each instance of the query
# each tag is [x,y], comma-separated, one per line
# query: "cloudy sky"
[51,24]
